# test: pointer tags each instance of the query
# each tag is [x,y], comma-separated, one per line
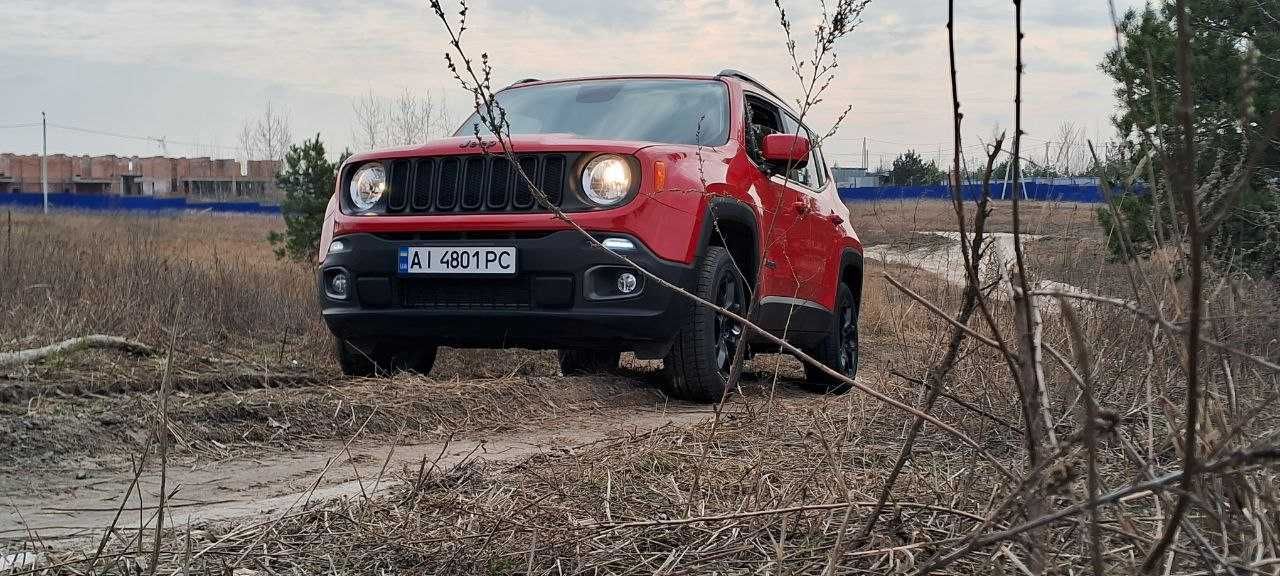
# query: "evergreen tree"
[910,169]
[307,181]
[1234,43]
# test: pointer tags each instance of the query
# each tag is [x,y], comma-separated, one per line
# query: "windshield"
[692,112]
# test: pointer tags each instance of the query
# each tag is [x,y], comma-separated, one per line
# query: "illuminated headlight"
[606,179]
[368,186]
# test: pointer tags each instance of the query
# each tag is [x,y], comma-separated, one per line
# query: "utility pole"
[44,159]
[866,159]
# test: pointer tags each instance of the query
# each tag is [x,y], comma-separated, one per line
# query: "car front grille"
[474,184]
[466,293]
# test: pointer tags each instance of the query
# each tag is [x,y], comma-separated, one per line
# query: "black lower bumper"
[561,297]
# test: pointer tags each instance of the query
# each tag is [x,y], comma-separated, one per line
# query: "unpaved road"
[72,504]
[947,261]
[75,510]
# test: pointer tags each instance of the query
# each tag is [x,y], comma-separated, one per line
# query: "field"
[270,462]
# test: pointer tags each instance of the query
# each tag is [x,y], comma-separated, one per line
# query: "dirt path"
[948,262]
[63,507]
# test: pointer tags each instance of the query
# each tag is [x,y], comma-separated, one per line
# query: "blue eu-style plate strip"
[404,260]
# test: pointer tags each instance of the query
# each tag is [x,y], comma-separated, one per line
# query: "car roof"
[538,82]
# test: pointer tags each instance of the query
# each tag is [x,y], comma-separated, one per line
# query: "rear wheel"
[381,359]
[701,357]
[839,350]
[587,361]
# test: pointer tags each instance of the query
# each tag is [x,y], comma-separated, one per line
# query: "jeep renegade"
[710,183]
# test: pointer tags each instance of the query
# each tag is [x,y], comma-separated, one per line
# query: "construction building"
[159,176]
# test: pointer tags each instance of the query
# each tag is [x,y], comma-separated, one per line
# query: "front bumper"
[555,301]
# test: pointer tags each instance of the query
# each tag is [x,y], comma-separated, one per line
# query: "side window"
[762,120]
[817,161]
[808,175]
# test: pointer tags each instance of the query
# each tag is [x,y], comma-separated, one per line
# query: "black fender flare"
[851,273]
[726,209]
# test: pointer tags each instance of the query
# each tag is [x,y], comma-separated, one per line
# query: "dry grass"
[771,486]
[209,277]
[900,221]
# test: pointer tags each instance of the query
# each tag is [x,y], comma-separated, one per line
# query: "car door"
[811,239]
[782,205]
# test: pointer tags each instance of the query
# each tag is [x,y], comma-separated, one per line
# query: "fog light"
[618,244]
[337,246]
[627,282]
[338,285]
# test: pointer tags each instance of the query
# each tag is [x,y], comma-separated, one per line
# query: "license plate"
[458,260]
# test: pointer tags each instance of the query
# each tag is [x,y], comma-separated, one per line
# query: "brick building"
[134,176]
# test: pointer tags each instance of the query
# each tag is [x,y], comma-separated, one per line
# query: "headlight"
[367,186]
[607,179]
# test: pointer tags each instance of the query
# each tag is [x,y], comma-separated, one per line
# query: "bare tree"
[267,137]
[406,120]
[412,119]
[367,125]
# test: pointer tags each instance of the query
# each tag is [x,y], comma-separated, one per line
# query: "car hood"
[520,144]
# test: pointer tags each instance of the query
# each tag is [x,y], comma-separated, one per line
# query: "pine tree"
[1234,69]
[910,169]
[307,181]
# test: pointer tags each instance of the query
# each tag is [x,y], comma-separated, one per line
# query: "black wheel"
[381,359]
[588,361]
[839,350]
[699,362]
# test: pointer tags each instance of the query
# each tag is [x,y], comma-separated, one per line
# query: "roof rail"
[743,76]
[521,82]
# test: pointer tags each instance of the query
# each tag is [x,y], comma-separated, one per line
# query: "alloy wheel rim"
[848,340]
[727,331]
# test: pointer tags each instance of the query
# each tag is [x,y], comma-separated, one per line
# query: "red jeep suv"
[708,182]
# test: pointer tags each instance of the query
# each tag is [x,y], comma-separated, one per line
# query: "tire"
[587,361]
[700,357]
[839,350]
[382,359]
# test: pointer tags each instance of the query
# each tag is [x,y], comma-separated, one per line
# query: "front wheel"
[701,357]
[382,359]
[839,350]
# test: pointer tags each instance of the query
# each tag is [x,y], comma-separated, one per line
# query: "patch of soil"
[214,416]
[78,506]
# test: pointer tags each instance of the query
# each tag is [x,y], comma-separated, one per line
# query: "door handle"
[835,219]
[800,207]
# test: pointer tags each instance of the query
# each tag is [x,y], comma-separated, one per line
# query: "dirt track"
[63,506]
[302,443]
[255,450]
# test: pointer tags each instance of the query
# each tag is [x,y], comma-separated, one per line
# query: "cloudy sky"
[192,72]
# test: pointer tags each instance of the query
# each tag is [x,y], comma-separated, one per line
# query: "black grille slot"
[399,191]
[499,183]
[447,189]
[473,189]
[424,170]
[466,294]
[479,183]
[524,195]
[553,178]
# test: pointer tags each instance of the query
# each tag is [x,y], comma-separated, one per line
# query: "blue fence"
[1034,191]
[67,201]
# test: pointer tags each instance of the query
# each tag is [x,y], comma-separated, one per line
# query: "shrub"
[307,181]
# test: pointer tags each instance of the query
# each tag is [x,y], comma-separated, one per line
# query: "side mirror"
[782,151]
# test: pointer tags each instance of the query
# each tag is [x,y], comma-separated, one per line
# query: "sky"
[115,75]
